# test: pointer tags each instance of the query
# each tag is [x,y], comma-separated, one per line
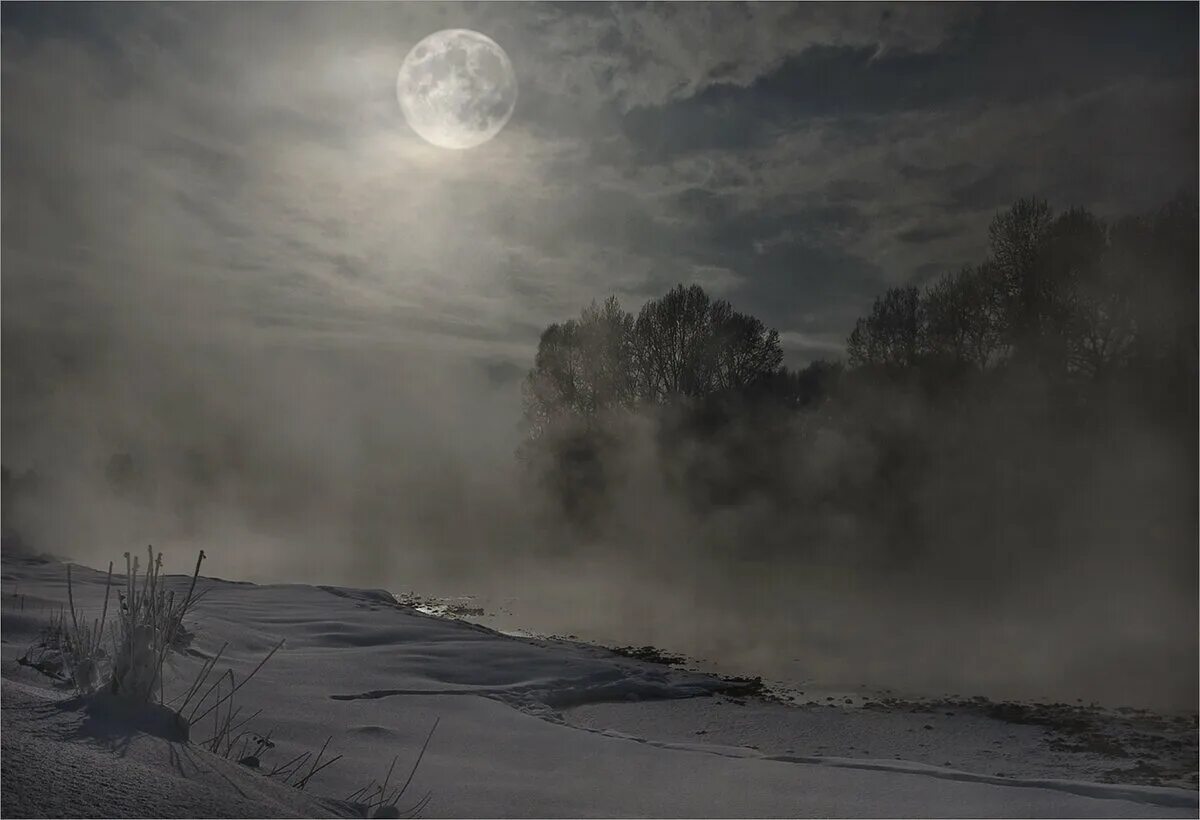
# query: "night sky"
[245,170]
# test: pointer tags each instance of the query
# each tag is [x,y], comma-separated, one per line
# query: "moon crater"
[457,88]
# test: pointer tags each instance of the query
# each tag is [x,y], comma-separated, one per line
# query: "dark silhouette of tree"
[1071,326]
[891,337]
[683,349]
[1157,256]
[582,367]
[672,337]
[963,318]
[1026,285]
[689,346]
[808,387]
[682,346]
[1090,311]
[743,351]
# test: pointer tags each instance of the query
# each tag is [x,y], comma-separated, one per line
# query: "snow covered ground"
[537,727]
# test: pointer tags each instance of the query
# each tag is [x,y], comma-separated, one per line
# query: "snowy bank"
[515,739]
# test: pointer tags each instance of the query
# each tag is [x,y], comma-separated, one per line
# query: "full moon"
[457,88]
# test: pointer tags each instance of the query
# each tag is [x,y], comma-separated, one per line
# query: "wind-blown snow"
[375,676]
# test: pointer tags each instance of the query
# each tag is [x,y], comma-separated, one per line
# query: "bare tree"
[892,335]
[963,318]
[582,367]
[687,345]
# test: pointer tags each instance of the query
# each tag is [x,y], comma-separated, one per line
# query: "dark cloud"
[235,171]
[792,278]
[898,154]
[923,235]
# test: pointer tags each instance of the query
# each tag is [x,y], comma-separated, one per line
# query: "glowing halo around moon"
[457,88]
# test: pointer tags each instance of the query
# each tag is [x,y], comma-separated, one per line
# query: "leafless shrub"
[379,802]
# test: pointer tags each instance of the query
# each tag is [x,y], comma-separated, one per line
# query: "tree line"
[1098,314]
[1069,294]
[682,346]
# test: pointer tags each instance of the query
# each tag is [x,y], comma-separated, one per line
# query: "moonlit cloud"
[247,168]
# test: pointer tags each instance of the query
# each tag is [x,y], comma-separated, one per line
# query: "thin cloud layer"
[795,158]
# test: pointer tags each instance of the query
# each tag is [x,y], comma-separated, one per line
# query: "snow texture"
[528,727]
